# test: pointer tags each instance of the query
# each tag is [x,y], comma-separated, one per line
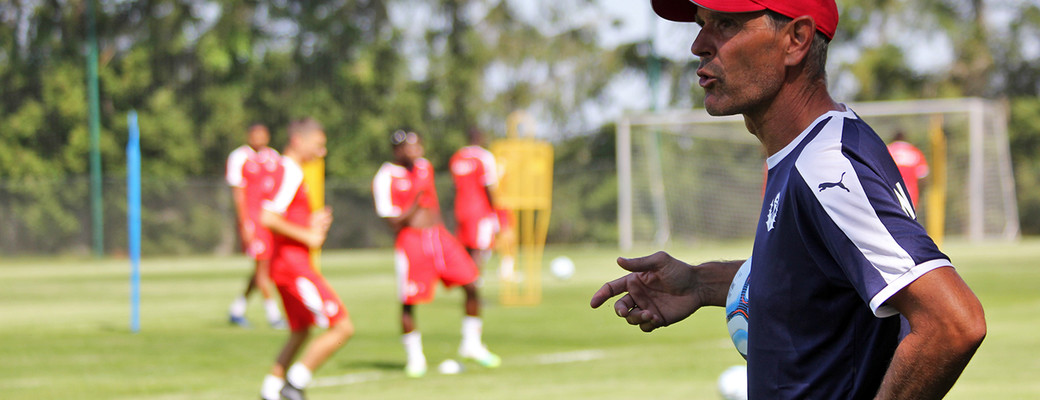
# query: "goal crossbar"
[983,116]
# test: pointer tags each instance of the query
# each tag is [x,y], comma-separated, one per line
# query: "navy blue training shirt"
[836,238]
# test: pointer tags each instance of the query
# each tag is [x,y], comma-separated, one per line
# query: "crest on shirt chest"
[402,185]
[774,208]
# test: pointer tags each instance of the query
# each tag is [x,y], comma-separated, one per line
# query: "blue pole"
[133,218]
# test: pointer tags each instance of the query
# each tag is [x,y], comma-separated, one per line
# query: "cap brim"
[675,10]
[686,10]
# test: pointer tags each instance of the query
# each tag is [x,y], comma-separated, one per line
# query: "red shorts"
[423,256]
[309,301]
[478,233]
[260,248]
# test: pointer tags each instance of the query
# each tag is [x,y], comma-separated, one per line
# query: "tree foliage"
[199,71]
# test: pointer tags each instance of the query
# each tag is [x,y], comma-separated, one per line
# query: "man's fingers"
[609,289]
[647,263]
[638,317]
[623,306]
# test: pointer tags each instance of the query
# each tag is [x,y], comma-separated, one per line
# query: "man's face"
[741,65]
[312,145]
[412,149]
[258,137]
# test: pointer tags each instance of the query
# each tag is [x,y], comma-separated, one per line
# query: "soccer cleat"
[240,321]
[480,355]
[290,392]
[415,368]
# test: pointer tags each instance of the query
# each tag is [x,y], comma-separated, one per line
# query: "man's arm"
[399,222]
[238,196]
[312,236]
[947,325]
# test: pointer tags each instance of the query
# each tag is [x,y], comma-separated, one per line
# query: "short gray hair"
[304,126]
[816,60]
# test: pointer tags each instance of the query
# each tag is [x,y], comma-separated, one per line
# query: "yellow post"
[314,178]
[525,190]
[937,187]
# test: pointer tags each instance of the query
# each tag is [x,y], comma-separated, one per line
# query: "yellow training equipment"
[525,189]
[314,178]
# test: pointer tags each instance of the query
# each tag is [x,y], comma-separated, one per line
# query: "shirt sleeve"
[236,161]
[871,233]
[490,170]
[922,165]
[381,192]
[292,179]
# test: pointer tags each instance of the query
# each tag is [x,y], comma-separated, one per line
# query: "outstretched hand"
[661,290]
[320,222]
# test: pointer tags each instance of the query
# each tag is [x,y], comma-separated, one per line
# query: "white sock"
[271,388]
[506,270]
[238,307]
[298,376]
[471,331]
[413,345]
[274,314]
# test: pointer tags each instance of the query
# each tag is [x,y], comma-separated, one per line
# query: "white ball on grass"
[449,367]
[733,383]
[562,267]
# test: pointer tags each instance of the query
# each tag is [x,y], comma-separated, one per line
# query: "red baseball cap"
[824,12]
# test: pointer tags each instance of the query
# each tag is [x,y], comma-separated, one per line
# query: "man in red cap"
[847,296]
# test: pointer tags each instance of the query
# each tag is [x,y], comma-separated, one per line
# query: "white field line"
[348,379]
[540,359]
[569,357]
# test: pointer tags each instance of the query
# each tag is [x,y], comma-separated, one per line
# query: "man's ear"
[800,33]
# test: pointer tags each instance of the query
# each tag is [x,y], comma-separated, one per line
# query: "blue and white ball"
[737,308]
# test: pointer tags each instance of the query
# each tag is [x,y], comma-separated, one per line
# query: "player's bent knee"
[344,328]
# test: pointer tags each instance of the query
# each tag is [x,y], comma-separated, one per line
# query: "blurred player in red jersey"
[249,170]
[425,251]
[910,161]
[307,298]
[475,173]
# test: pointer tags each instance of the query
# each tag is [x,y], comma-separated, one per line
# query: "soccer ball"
[449,367]
[737,308]
[562,267]
[733,383]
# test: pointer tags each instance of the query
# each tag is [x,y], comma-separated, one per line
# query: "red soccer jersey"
[474,170]
[911,163]
[253,171]
[289,199]
[394,188]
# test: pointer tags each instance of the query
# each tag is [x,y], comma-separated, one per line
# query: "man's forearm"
[925,367]
[278,224]
[947,324]
[238,196]
[714,278]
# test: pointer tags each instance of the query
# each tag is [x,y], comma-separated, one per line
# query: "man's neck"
[292,155]
[406,164]
[789,113]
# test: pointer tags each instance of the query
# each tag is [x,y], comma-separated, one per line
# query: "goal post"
[712,171]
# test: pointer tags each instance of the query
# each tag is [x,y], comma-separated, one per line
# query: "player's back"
[258,176]
[473,170]
[907,156]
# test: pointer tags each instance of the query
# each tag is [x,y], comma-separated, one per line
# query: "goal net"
[686,176]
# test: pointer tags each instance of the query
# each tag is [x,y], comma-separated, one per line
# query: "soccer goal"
[686,176]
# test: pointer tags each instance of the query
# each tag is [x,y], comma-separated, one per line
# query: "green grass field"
[64,333]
